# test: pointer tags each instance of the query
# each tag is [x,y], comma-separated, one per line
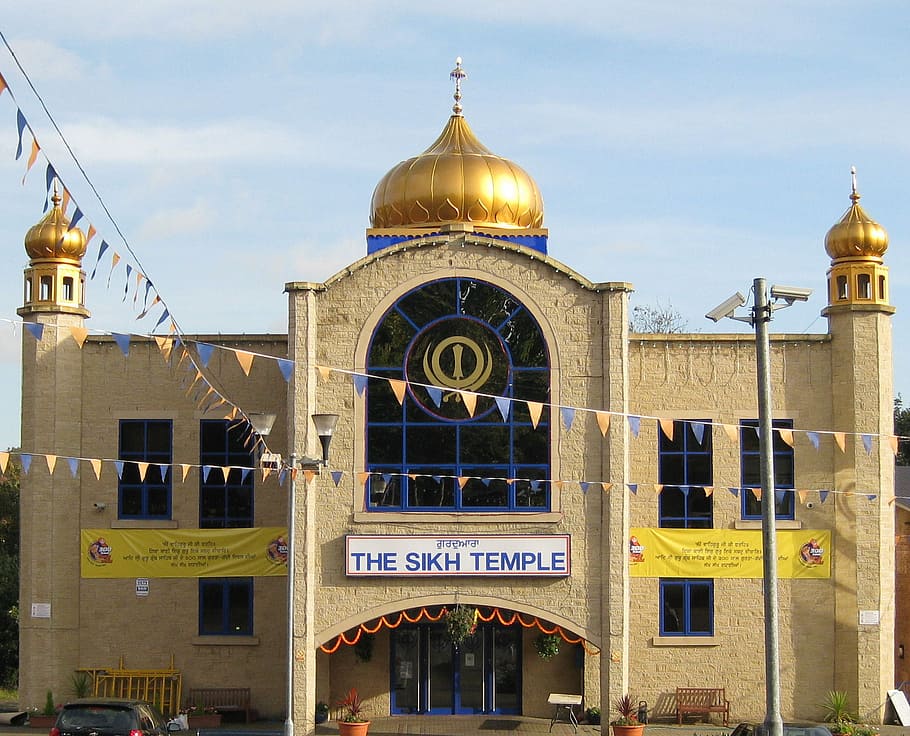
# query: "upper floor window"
[225,606]
[687,607]
[784,473]
[225,501]
[685,468]
[428,453]
[145,441]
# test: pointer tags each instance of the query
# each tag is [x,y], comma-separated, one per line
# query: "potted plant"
[626,723]
[461,623]
[547,645]
[351,720]
[47,717]
[592,715]
[199,716]
[322,712]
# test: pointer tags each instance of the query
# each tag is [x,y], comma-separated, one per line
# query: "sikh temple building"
[582,501]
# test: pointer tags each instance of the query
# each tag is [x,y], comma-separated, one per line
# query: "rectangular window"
[686,607]
[685,468]
[784,474]
[225,502]
[145,441]
[226,606]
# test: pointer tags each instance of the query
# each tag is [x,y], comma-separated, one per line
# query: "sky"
[686,148]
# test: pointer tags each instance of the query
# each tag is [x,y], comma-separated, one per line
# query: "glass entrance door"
[430,675]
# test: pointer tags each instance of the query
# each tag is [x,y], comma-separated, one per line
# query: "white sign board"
[869,618]
[504,555]
[142,587]
[41,610]
[901,707]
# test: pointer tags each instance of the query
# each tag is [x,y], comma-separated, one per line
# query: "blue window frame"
[686,607]
[441,338]
[145,441]
[225,502]
[685,468]
[225,606]
[784,470]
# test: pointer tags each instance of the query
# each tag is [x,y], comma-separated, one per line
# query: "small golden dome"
[856,235]
[52,237]
[457,179]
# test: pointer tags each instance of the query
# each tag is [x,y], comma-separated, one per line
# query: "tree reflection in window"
[458,335]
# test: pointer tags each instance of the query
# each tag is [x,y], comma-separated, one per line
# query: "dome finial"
[457,74]
[854,195]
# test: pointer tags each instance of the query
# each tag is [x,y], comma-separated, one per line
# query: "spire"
[457,74]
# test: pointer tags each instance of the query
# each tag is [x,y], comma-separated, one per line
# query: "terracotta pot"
[205,720]
[353,729]
[635,730]
[38,720]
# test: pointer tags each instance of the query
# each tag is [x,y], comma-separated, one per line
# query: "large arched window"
[428,453]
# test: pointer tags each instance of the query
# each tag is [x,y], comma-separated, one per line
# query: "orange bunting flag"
[143,469]
[164,345]
[558,484]
[462,481]
[51,463]
[709,491]
[398,388]
[412,476]
[658,488]
[892,442]
[603,421]
[606,487]
[245,359]
[535,408]
[362,478]
[90,234]
[324,372]
[732,431]
[510,481]
[79,335]
[184,469]
[666,426]
[65,202]
[308,475]
[786,435]
[803,495]
[4,456]
[470,401]
[96,466]
[841,439]
[3,85]
[266,472]
[31,158]
[757,493]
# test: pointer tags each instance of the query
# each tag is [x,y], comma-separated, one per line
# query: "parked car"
[111,717]
[790,729]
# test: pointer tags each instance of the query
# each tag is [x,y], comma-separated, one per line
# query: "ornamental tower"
[862,400]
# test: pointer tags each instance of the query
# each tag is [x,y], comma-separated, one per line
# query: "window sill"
[685,641]
[458,517]
[225,641]
[144,524]
[757,524]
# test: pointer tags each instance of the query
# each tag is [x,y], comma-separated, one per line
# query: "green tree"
[9,574]
[902,430]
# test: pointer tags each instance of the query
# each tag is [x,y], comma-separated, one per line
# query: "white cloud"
[44,60]
[176,222]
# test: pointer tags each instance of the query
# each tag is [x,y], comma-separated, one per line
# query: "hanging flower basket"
[547,645]
[461,623]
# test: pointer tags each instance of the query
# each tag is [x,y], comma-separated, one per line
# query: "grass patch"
[9,694]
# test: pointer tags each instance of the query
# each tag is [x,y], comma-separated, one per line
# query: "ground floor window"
[225,606]
[431,675]
[686,607]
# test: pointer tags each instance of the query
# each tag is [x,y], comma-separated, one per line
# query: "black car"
[111,717]
[790,729]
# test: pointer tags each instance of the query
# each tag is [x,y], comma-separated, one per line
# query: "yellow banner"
[183,553]
[726,553]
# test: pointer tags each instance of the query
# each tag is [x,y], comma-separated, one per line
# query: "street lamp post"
[759,318]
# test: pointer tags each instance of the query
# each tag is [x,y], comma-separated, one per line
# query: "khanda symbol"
[483,365]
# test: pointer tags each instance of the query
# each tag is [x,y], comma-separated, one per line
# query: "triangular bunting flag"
[658,487]
[698,429]
[96,467]
[51,463]
[709,491]
[79,335]
[32,157]
[184,470]
[633,487]
[606,487]
[162,469]
[362,478]
[470,401]
[584,486]
[20,125]
[786,435]
[205,350]
[757,493]
[813,438]
[336,477]
[634,424]
[734,492]
[871,496]
[118,465]
[867,443]
[803,495]
[286,367]
[398,388]
[143,469]
[360,384]
[503,404]
[732,431]
[245,359]
[308,475]
[435,395]
[206,469]
[603,421]
[666,426]
[568,416]
[103,247]
[123,342]
[35,328]
[74,465]
[823,496]
[535,408]
[841,439]
[266,472]
[4,461]
[26,461]
[462,481]
[324,372]
[892,443]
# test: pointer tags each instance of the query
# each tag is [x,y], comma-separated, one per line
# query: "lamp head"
[325,426]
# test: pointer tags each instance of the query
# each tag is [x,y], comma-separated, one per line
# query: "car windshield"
[96,717]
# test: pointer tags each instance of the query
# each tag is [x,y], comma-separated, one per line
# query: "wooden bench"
[223,700]
[701,700]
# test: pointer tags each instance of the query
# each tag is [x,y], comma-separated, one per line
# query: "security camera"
[99,505]
[810,505]
[727,308]
[790,294]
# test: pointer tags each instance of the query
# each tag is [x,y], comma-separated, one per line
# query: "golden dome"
[457,179]
[52,238]
[856,235]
